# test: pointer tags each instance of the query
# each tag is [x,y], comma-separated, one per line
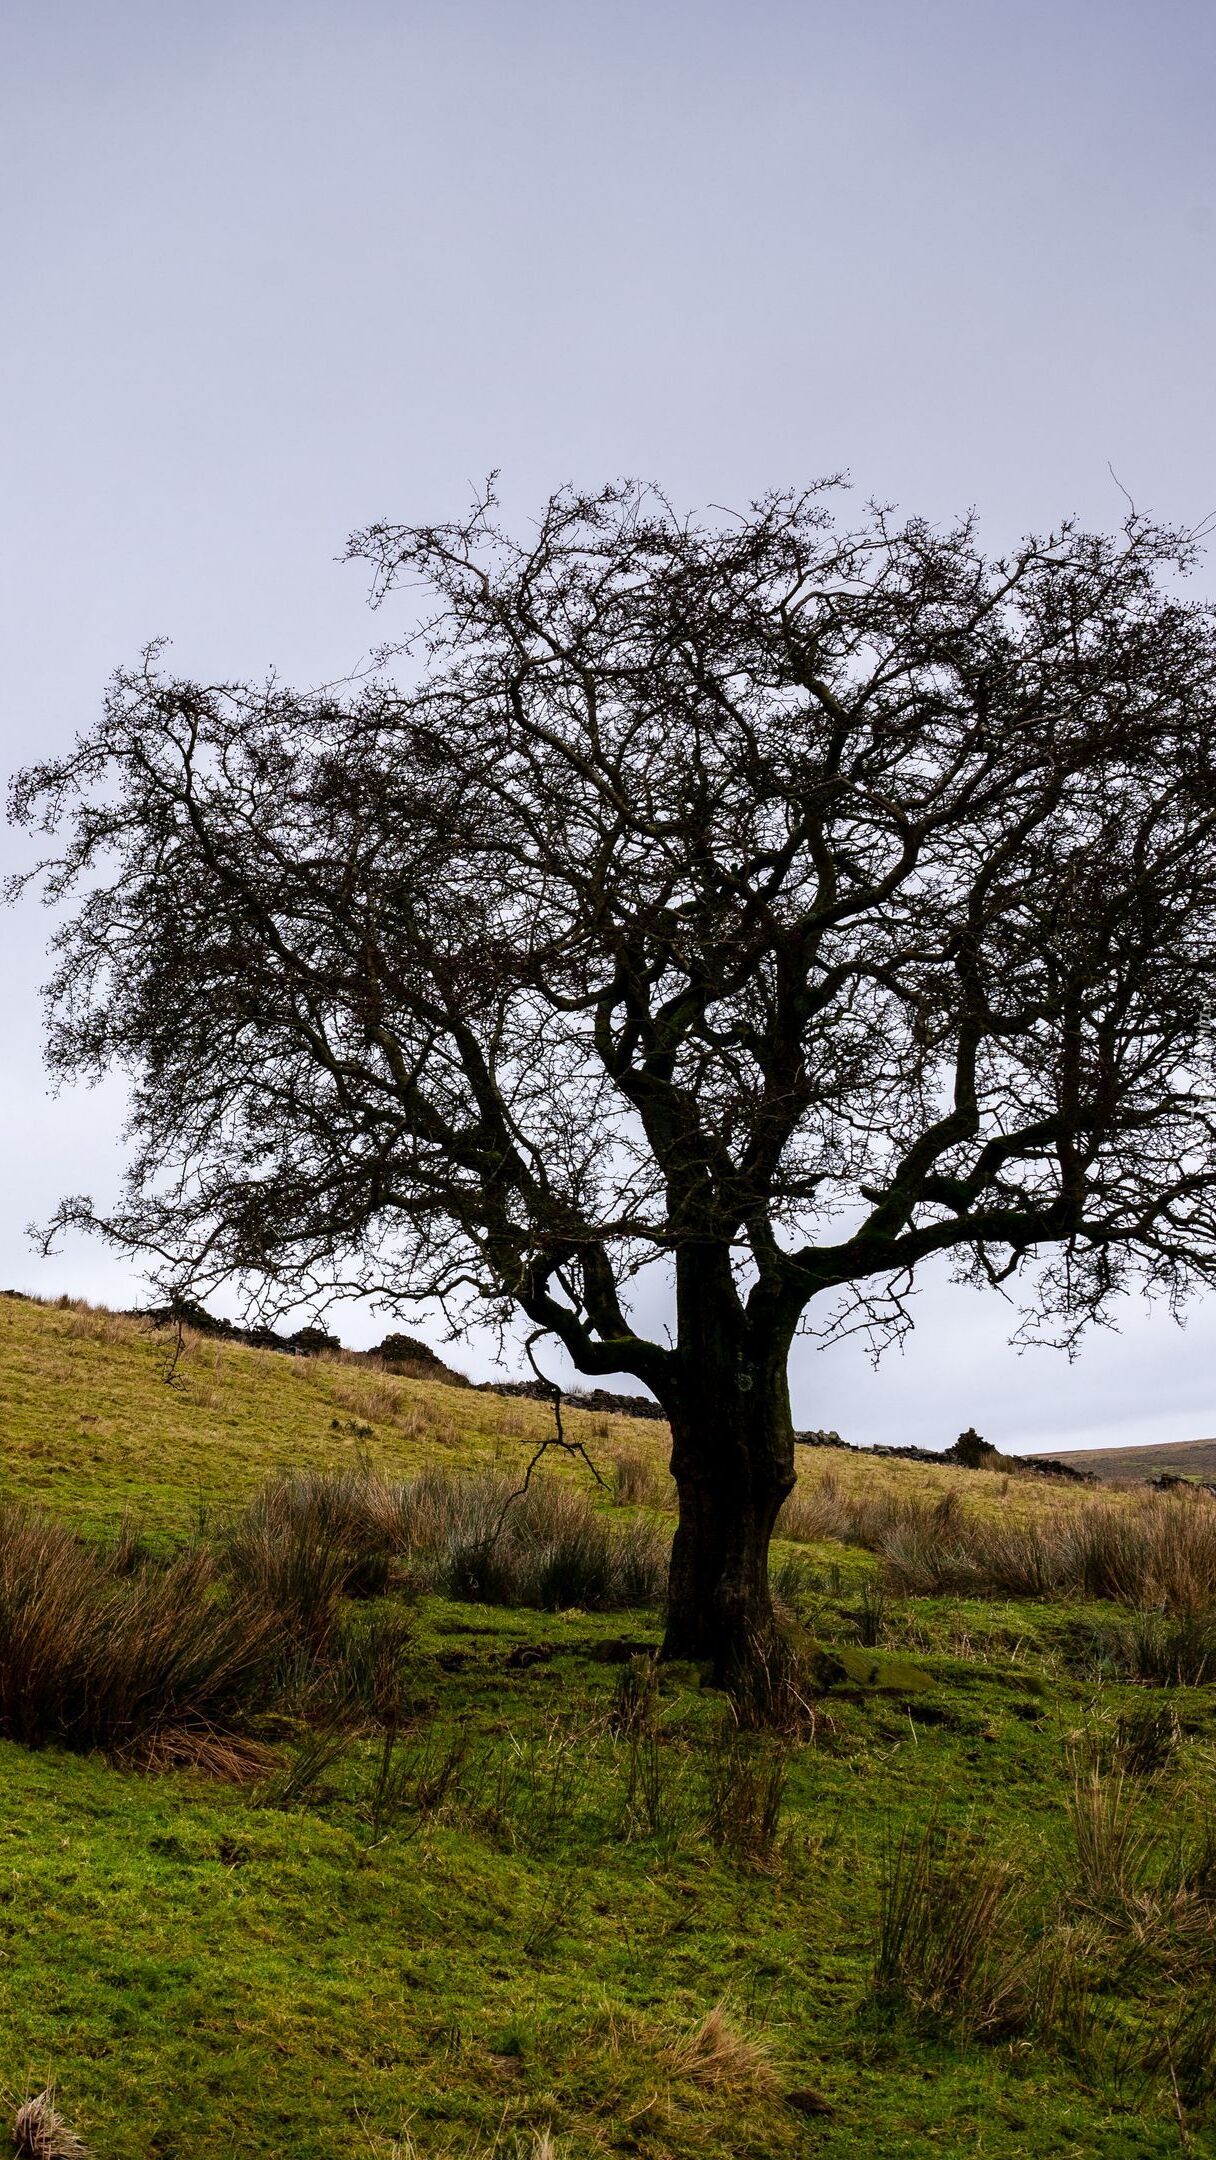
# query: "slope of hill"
[98,1414]
[555,1903]
[1134,1465]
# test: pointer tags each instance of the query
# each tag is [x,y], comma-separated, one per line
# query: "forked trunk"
[733,1462]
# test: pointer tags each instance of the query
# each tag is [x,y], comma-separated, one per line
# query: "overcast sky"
[272,271]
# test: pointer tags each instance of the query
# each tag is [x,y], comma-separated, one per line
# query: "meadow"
[349,1813]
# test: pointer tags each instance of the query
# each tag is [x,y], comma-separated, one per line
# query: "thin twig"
[169,1375]
[1183,2133]
[556,1439]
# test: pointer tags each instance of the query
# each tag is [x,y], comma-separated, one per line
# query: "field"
[477,1878]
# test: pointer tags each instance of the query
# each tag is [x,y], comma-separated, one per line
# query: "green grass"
[204,1973]
[97,1417]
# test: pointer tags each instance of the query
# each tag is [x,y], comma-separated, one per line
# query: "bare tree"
[782,904]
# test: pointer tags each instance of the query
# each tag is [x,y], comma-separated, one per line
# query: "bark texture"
[733,1462]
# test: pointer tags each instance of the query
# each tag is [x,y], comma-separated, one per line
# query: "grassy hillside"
[98,1416]
[956,1896]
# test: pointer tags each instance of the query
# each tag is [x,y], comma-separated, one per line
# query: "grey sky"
[271,271]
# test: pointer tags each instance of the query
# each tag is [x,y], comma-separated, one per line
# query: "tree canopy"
[783,901]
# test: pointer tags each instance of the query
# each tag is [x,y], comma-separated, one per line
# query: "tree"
[782,904]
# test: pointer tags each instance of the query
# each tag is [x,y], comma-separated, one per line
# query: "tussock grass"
[1186,2052]
[372,1664]
[40,2132]
[816,1509]
[94,1659]
[970,1945]
[477,1537]
[639,1480]
[776,1692]
[300,1780]
[506,2145]
[636,1698]
[1167,1650]
[164,1660]
[1151,1551]
[1146,1739]
[1113,1848]
[950,1949]
[418,1774]
[746,1782]
[306,1541]
[719,2054]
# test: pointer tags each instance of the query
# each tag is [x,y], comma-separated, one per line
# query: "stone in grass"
[840,1666]
[40,2132]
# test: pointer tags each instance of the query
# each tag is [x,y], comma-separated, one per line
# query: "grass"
[502,1885]
[40,2132]
[484,1537]
[93,1658]
[949,1949]
[90,1423]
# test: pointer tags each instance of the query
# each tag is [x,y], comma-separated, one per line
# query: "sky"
[273,271]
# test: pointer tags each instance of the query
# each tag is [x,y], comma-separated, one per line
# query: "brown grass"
[1152,1551]
[718,2054]
[816,1509]
[41,2133]
[746,1777]
[93,1658]
[1113,1850]
[638,1480]
[477,1536]
[232,1758]
[306,1541]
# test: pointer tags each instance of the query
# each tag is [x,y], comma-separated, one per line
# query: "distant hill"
[1131,1465]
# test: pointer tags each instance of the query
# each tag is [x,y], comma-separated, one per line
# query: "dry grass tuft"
[746,1777]
[1155,1552]
[516,2145]
[775,1691]
[718,2055]
[1113,1848]
[90,1657]
[83,1322]
[1171,1650]
[232,1758]
[40,2132]
[1145,1739]
[816,1510]
[475,1536]
[306,1541]
[639,1481]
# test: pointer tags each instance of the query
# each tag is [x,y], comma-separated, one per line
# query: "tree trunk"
[733,1462]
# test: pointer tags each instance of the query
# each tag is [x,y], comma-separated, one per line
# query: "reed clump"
[169,1658]
[91,1657]
[970,1943]
[478,1537]
[1153,1552]
[952,1949]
